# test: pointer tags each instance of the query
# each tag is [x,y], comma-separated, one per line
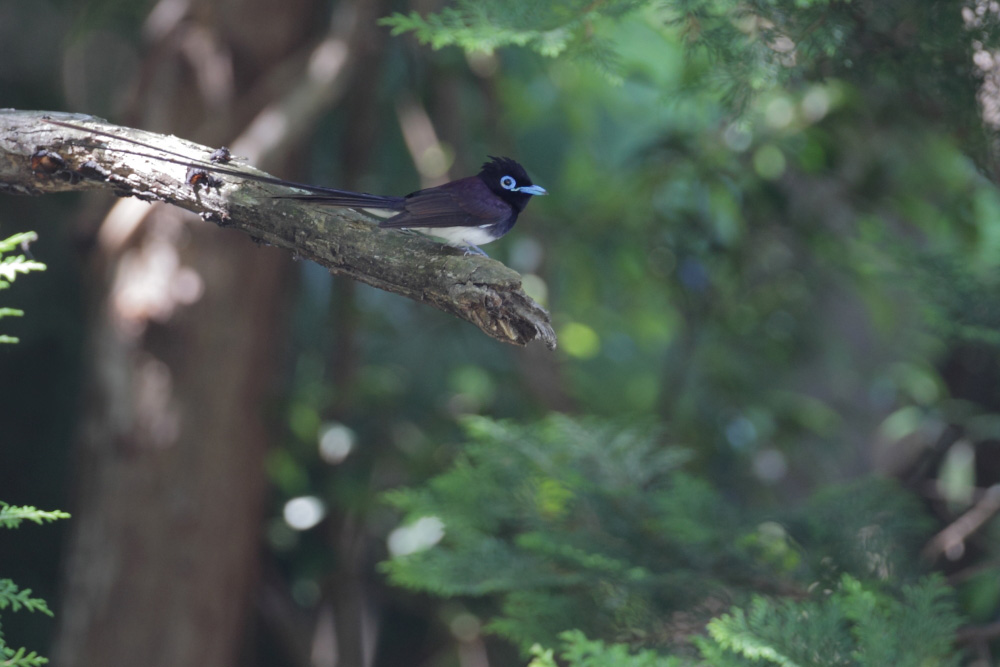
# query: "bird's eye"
[507,183]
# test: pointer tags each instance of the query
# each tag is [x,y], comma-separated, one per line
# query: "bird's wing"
[467,202]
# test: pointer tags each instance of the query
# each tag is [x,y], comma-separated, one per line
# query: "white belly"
[459,236]
[380,212]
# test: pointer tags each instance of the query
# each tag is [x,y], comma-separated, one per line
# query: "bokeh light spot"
[304,512]
[336,441]
[579,340]
[418,536]
[769,162]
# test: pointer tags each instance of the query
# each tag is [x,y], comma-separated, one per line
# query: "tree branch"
[954,536]
[477,289]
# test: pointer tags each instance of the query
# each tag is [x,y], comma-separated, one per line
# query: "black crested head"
[509,181]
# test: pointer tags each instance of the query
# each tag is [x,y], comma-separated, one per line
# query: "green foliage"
[22,658]
[16,599]
[11,516]
[549,28]
[586,525]
[748,47]
[11,266]
[867,528]
[11,597]
[579,651]
[573,523]
[856,624]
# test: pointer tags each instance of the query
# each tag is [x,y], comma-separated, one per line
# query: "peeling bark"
[477,289]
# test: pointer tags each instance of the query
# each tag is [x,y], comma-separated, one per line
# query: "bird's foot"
[473,250]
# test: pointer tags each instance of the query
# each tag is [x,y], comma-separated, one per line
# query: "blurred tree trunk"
[162,564]
[186,327]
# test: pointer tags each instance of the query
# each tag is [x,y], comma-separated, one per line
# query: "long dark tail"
[331,197]
[321,195]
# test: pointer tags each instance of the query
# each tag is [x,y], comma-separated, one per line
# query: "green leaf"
[11,516]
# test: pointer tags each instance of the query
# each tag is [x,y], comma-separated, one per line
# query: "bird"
[466,213]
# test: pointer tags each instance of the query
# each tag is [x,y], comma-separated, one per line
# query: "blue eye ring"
[508,183]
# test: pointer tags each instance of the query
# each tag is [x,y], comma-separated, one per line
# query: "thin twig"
[958,531]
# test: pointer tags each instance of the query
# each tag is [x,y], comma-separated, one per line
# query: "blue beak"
[533,190]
